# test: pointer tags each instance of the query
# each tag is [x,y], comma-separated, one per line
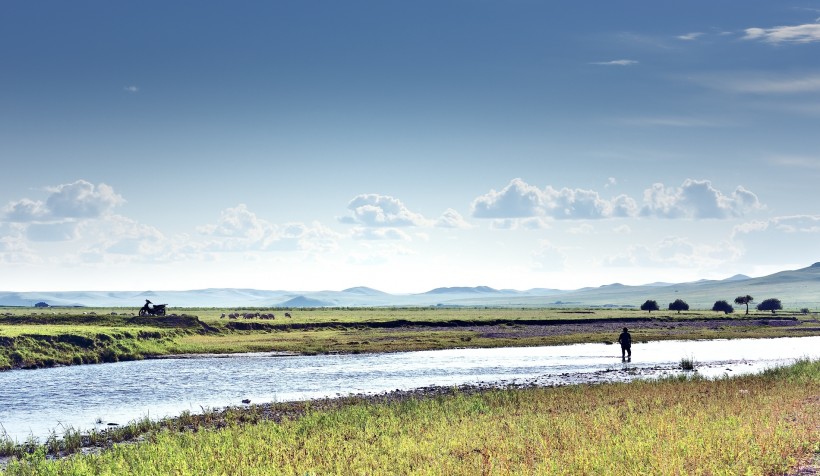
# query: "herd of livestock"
[250,315]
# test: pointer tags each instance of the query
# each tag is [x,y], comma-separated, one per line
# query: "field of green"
[765,424]
[54,336]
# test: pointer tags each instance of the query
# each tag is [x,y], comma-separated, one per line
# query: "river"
[35,403]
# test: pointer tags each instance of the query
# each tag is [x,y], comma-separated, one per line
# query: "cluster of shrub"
[771,304]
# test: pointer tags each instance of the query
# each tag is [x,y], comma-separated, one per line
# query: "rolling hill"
[797,289]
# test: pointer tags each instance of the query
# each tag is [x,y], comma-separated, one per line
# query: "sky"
[406,145]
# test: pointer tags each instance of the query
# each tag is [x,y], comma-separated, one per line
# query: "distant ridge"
[797,289]
[464,290]
[365,291]
[302,301]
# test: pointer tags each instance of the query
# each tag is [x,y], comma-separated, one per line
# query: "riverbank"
[757,424]
[51,338]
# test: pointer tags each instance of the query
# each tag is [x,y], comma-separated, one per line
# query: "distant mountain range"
[795,288]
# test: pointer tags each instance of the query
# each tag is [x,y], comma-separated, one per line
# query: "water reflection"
[36,402]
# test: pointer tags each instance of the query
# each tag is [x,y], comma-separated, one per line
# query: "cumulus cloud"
[122,239]
[376,210]
[237,222]
[517,200]
[807,33]
[697,199]
[240,229]
[78,200]
[521,200]
[131,89]
[25,210]
[694,199]
[452,219]
[82,199]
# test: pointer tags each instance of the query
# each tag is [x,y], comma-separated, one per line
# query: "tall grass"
[763,424]
[687,363]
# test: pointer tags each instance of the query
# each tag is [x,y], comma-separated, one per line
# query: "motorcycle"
[151,309]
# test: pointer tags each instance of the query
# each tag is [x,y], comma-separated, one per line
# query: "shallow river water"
[34,403]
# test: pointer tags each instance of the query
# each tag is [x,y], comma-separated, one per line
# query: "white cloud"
[131,89]
[778,240]
[452,219]
[697,199]
[690,36]
[620,62]
[381,211]
[78,200]
[25,210]
[807,33]
[239,229]
[795,224]
[521,200]
[575,203]
[238,222]
[517,200]
[694,199]
[82,199]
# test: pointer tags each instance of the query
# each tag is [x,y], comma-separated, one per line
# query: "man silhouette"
[625,339]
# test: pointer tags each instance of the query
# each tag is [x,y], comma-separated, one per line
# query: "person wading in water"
[625,339]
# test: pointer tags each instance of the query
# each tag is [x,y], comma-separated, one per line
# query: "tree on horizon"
[650,305]
[723,306]
[771,304]
[679,305]
[744,300]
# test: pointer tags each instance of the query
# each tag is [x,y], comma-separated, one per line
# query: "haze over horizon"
[405,146]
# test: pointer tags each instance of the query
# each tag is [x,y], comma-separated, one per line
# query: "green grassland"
[753,425]
[42,338]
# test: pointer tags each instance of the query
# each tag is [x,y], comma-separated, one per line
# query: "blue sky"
[309,145]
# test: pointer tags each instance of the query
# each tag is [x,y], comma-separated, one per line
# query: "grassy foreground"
[757,425]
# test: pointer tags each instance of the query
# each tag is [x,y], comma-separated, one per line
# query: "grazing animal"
[287,314]
[222,316]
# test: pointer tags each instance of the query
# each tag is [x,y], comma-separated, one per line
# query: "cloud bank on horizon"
[404,148]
